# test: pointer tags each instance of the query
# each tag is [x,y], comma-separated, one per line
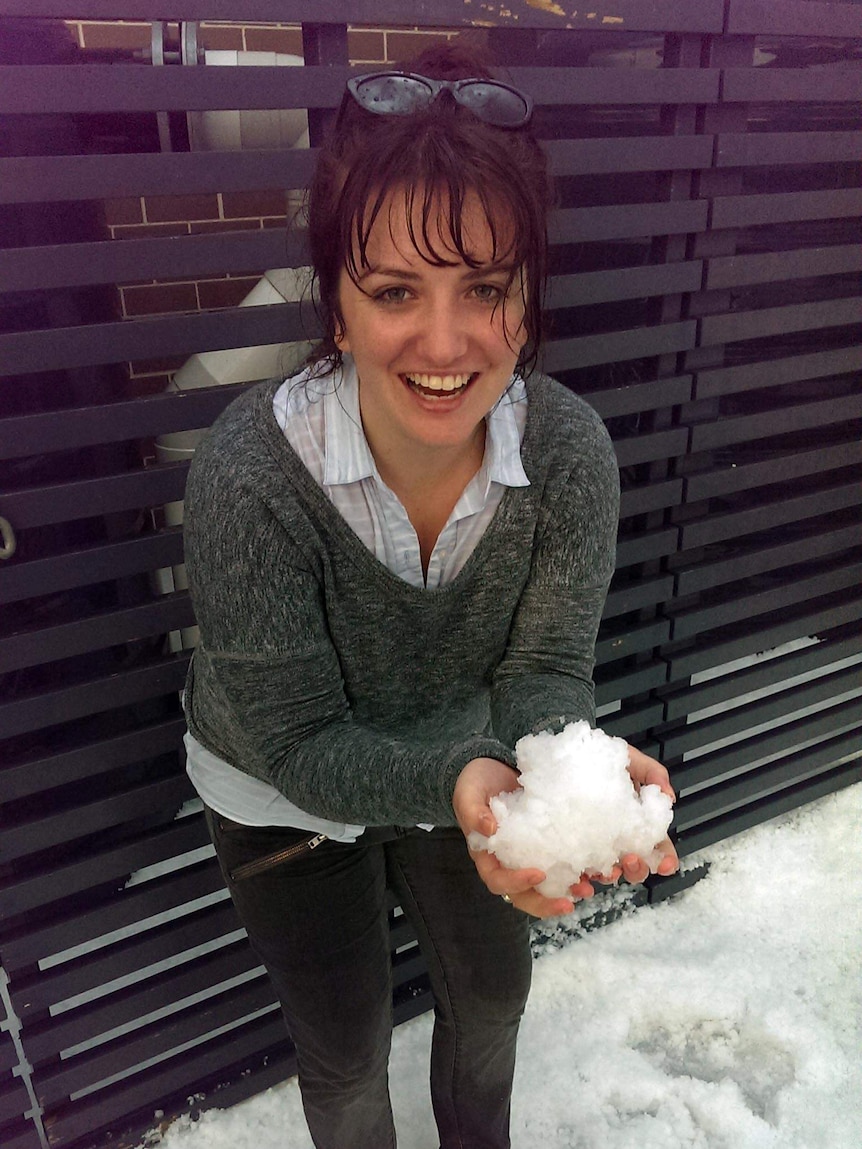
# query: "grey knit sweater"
[359,696]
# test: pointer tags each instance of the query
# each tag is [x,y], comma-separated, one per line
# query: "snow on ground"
[727,1018]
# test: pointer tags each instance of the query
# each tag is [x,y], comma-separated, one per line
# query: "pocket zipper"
[259,865]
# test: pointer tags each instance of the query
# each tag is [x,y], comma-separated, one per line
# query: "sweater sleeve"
[266,692]
[545,678]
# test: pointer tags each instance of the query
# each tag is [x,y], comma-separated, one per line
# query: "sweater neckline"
[288,461]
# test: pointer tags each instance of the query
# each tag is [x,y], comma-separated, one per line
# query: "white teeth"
[440,382]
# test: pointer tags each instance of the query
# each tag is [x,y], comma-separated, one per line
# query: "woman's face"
[434,347]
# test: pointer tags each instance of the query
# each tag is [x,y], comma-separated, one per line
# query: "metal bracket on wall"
[157,52]
[8,542]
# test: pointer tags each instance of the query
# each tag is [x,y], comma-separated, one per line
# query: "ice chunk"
[577,809]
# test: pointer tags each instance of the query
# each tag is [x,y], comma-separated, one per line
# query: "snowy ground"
[726,1019]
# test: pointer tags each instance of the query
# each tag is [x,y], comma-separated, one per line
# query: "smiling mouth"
[439,386]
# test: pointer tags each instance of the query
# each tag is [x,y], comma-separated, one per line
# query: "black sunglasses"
[403,93]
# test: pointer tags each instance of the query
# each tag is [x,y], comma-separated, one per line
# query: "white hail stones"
[577,810]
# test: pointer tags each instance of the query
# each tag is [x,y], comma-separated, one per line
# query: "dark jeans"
[318,922]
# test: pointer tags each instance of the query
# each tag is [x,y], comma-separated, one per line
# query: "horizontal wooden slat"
[14,1101]
[774,372]
[780,421]
[785,207]
[632,723]
[716,527]
[151,994]
[770,674]
[37,834]
[791,85]
[768,780]
[730,476]
[86,346]
[51,885]
[746,562]
[617,346]
[793,18]
[99,969]
[773,266]
[647,497]
[52,179]
[647,448]
[628,154]
[21,778]
[252,1056]
[46,88]
[613,684]
[151,415]
[91,565]
[619,641]
[626,221]
[57,1080]
[93,696]
[136,909]
[63,502]
[646,545]
[700,837]
[727,608]
[759,149]
[767,321]
[627,15]
[814,618]
[133,260]
[639,397]
[108,628]
[592,287]
[635,594]
[46,179]
[709,769]
[21,1135]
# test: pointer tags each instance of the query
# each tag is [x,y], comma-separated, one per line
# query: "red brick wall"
[188,215]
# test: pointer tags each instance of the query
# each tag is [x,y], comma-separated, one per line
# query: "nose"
[443,336]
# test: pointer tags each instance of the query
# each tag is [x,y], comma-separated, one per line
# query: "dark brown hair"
[440,157]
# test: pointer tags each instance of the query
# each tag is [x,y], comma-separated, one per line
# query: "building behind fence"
[705,299]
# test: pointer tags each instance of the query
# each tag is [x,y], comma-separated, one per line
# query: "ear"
[340,337]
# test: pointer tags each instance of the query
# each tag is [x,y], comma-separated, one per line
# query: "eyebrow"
[392,272]
[413,276]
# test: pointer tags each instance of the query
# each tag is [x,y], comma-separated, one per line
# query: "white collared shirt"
[321,420]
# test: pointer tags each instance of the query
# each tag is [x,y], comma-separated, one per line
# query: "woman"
[399,560]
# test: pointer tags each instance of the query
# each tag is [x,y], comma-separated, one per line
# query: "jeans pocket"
[277,858]
[234,837]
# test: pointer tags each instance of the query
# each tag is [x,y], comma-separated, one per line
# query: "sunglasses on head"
[403,93]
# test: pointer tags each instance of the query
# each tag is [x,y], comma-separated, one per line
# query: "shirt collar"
[348,458]
[503,438]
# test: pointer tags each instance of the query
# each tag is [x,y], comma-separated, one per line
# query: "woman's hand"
[477,783]
[646,771]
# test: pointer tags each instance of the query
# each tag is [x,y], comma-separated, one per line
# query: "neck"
[421,470]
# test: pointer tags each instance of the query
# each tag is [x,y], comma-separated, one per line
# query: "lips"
[438,386]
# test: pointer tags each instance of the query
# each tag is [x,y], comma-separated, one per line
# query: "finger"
[538,906]
[606,879]
[501,881]
[483,822]
[635,869]
[670,862]
[582,889]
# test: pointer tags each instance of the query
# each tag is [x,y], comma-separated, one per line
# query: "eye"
[488,292]
[391,295]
